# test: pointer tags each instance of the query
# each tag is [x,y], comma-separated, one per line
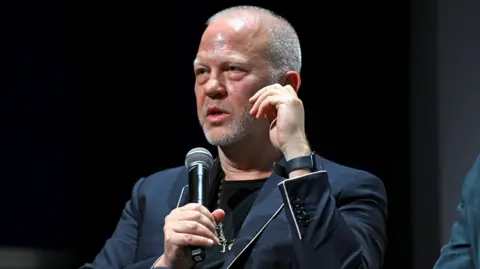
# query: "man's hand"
[190,225]
[284,110]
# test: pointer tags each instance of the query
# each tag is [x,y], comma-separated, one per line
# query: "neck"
[251,158]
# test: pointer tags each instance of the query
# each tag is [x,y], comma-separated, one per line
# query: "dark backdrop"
[98,94]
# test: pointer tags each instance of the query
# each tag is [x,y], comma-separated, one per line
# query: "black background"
[98,94]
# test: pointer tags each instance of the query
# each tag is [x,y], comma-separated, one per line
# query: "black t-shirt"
[236,199]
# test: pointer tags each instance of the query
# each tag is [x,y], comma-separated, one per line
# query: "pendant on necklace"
[222,239]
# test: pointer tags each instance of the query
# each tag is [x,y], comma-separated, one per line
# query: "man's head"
[242,50]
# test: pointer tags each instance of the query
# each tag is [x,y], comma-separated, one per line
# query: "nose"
[215,88]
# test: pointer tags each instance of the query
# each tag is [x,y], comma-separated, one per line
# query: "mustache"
[224,107]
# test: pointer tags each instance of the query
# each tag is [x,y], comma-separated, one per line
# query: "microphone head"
[198,155]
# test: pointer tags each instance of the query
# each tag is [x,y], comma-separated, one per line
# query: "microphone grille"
[198,155]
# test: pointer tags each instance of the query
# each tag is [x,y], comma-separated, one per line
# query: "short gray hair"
[284,52]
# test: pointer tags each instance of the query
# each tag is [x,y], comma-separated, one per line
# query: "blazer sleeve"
[120,249]
[461,251]
[344,232]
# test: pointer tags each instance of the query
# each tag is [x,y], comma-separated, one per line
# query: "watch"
[302,162]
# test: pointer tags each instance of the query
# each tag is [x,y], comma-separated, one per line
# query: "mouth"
[216,115]
[215,111]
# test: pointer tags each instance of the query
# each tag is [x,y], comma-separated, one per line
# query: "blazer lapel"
[183,197]
[266,206]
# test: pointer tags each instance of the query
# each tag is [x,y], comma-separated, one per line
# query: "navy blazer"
[344,225]
[462,249]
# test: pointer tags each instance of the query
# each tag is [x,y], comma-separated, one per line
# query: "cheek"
[199,99]
[240,94]
[244,88]
[240,104]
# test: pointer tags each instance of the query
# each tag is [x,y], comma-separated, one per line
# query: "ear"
[292,78]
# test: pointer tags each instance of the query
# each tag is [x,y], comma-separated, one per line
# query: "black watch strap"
[303,162]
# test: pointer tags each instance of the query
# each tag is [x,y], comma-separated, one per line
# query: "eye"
[234,69]
[200,71]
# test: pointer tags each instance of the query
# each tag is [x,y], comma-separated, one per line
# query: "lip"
[214,110]
[216,115]
[217,118]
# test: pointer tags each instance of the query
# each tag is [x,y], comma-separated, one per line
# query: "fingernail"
[210,241]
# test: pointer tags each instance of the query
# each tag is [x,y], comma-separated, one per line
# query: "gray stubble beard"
[234,132]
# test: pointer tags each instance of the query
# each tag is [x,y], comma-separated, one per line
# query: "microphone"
[198,162]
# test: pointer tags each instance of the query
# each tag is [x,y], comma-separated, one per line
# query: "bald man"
[274,203]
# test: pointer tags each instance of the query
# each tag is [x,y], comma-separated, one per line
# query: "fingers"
[193,228]
[195,216]
[260,99]
[263,107]
[218,215]
[191,225]
[199,208]
[262,91]
[184,239]
[285,89]
[267,105]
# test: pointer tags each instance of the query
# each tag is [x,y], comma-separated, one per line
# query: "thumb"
[218,215]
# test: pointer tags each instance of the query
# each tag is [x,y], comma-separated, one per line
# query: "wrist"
[301,165]
[296,149]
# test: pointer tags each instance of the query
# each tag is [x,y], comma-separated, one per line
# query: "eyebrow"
[232,58]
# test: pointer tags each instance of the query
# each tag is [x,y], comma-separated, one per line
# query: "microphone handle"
[198,254]
[198,184]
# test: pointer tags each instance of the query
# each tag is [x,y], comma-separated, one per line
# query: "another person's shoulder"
[471,185]
[476,166]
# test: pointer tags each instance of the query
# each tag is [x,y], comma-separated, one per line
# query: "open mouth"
[216,115]
[214,111]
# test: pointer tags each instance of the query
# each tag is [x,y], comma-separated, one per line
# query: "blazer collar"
[215,178]
[266,206]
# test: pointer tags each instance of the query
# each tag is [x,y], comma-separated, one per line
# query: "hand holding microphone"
[190,228]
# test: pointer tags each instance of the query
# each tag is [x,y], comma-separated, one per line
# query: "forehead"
[234,38]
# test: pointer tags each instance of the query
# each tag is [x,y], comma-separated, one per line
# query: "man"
[462,250]
[274,205]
